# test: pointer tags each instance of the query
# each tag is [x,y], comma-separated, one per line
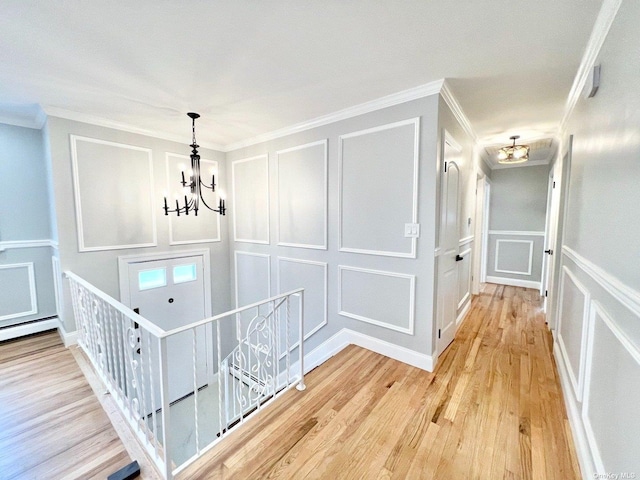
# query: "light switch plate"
[411,230]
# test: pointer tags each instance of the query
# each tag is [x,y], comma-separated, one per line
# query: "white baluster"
[301,386]
[195,389]
[288,339]
[220,373]
[164,396]
[153,418]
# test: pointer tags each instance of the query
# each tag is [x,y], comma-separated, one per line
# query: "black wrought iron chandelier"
[513,153]
[195,184]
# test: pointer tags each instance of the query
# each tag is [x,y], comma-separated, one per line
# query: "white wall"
[121,178]
[26,279]
[598,310]
[517,216]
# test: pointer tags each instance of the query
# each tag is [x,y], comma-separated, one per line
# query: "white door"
[447,261]
[549,240]
[170,293]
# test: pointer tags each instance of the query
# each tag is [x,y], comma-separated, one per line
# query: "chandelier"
[513,153]
[193,198]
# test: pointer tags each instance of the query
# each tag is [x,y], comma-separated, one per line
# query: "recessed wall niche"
[113,186]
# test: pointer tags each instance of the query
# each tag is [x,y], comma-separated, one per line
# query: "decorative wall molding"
[463,313]
[463,241]
[15,244]
[577,378]
[515,272]
[236,253]
[412,295]
[426,90]
[28,328]
[514,282]
[626,295]
[33,296]
[603,23]
[457,111]
[523,233]
[234,202]
[121,126]
[325,190]
[325,267]
[78,200]
[187,159]
[416,162]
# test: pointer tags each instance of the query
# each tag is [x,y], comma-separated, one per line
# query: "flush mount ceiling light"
[513,153]
[193,188]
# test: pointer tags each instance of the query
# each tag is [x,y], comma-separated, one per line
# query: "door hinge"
[554,185]
[439,333]
[445,167]
[546,293]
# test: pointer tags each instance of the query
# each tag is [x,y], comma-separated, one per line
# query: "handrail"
[150,327]
[220,316]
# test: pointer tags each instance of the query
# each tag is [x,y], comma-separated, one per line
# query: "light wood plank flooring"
[51,424]
[492,409]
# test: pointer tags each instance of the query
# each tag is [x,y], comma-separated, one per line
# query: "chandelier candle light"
[513,153]
[195,183]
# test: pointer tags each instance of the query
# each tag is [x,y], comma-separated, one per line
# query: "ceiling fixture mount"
[193,188]
[513,153]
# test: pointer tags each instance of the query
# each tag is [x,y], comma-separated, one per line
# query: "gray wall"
[24,217]
[598,309]
[517,216]
[106,186]
[351,290]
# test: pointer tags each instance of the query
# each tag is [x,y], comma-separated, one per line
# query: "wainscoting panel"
[114,195]
[386,299]
[515,258]
[611,412]
[250,201]
[302,196]
[312,276]
[17,291]
[389,156]
[188,229]
[572,327]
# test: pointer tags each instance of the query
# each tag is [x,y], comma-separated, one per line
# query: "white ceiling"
[251,67]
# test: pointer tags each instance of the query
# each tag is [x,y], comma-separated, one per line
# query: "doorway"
[172,290]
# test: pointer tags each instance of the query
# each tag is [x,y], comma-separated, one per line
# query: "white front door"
[447,261]
[170,293]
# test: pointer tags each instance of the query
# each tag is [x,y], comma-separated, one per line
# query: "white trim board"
[626,295]
[515,272]
[412,296]
[324,246]
[603,23]
[514,282]
[27,244]
[416,165]
[523,233]
[33,295]
[68,338]
[29,328]
[78,199]
[346,337]
[577,381]
[463,241]
[325,267]
[264,156]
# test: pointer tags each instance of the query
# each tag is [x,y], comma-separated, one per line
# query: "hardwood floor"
[51,424]
[492,409]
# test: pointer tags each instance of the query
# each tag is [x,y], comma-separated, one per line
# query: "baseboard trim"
[514,282]
[346,337]
[30,328]
[583,451]
[68,338]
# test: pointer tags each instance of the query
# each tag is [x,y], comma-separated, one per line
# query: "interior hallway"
[492,409]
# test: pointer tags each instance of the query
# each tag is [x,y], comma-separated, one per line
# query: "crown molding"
[428,89]
[603,23]
[455,107]
[103,122]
